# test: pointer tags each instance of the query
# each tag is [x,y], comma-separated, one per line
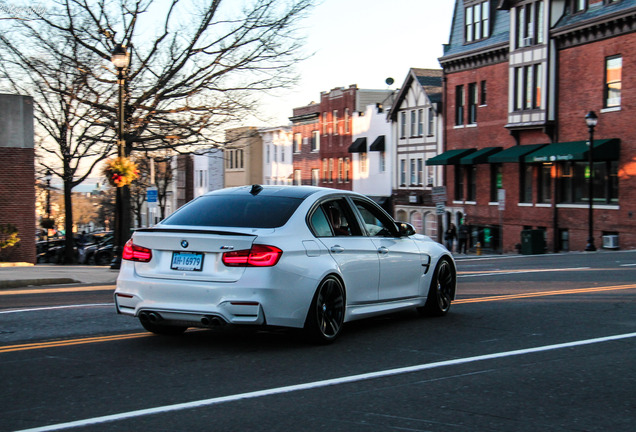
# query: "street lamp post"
[121,60]
[591,119]
[48,177]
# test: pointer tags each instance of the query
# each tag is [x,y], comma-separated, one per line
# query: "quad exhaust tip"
[211,321]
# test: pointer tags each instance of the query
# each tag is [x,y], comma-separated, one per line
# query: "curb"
[21,283]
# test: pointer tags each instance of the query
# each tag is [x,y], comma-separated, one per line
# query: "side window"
[334,219]
[376,222]
[320,224]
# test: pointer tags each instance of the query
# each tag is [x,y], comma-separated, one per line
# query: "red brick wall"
[306,160]
[17,200]
[581,91]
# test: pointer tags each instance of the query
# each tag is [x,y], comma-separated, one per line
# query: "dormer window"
[530,23]
[477,19]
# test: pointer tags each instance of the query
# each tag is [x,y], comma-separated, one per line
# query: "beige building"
[243,156]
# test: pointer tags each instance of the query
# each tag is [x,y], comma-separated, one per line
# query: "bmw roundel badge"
[184,244]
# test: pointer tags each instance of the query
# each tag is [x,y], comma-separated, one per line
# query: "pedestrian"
[450,236]
[463,238]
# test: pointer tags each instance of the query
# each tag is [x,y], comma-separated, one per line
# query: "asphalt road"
[533,343]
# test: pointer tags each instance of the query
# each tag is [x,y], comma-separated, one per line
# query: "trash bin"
[532,242]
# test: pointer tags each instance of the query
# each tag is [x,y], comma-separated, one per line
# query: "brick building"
[520,77]
[306,144]
[17,176]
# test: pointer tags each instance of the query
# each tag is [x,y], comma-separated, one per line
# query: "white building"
[277,155]
[417,133]
[372,153]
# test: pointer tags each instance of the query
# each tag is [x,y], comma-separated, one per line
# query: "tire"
[165,330]
[103,259]
[440,293]
[326,313]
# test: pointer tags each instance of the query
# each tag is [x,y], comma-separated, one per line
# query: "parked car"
[94,242]
[284,256]
[103,254]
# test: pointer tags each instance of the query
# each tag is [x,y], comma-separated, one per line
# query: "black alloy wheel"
[327,311]
[440,293]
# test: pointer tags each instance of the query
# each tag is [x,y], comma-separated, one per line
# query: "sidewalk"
[17,275]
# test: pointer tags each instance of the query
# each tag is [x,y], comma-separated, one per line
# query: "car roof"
[301,192]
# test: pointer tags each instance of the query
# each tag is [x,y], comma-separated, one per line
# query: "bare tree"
[197,67]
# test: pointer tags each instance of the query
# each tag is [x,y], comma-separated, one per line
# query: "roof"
[429,79]
[499,32]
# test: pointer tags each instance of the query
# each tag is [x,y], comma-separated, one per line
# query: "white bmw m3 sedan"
[282,256]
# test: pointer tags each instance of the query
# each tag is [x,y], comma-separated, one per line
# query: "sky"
[364,42]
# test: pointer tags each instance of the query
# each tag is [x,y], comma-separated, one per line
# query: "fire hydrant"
[478,247]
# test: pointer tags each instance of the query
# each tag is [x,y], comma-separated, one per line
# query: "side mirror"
[405,229]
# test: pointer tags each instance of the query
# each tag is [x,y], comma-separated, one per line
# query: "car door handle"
[383,250]
[336,249]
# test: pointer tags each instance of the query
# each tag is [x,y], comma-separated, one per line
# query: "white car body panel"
[375,282]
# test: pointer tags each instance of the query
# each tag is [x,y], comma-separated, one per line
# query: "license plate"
[189,261]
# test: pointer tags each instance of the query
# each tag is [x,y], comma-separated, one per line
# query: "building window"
[413,124]
[413,173]
[613,81]
[340,170]
[335,122]
[573,186]
[346,121]
[544,188]
[315,176]
[315,141]
[525,183]
[528,87]
[477,21]
[297,178]
[579,5]
[324,123]
[403,124]
[431,122]
[363,163]
[420,122]
[472,103]
[347,168]
[471,182]
[267,155]
[382,167]
[325,170]
[331,167]
[298,141]
[459,183]
[496,181]
[529,24]
[275,152]
[483,93]
[402,172]
[420,172]
[459,105]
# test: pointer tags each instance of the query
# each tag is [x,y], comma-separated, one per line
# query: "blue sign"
[151,195]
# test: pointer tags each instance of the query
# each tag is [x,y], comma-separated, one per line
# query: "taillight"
[257,256]
[133,252]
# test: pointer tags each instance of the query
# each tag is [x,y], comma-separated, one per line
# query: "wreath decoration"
[120,171]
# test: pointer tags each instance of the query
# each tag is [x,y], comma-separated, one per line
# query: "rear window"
[239,211]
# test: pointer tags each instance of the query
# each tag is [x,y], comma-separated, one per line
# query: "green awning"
[358,146]
[480,156]
[514,154]
[605,149]
[450,157]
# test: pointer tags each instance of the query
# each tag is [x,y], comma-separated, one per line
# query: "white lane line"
[504,272]
[57,307]
[319,384]
[627,265]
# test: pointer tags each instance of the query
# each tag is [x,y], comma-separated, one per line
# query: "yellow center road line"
[544,294]
[58,290]
[71,342]
[39,345]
